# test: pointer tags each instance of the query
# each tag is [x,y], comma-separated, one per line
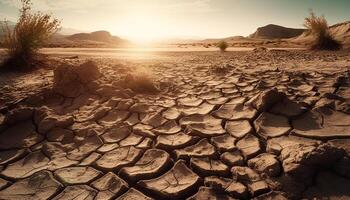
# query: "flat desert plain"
[259,123]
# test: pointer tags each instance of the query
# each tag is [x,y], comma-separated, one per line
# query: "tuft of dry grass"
[222,46]
[30,33]
[318,27]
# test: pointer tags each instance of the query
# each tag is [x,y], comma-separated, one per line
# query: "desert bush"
[30,33]
[223,45]
[318,27]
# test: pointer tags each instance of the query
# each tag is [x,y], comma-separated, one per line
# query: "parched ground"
[183,125]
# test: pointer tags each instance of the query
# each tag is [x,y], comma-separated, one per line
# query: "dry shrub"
[222,46]
[30,33]
[318,27]
[140,83]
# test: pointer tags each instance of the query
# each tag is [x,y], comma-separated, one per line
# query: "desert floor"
[264,124]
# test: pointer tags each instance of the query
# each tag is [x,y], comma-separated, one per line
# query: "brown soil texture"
[264,124]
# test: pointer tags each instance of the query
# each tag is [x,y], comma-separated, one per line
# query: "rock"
[118,158]
[60,135]
[269,125]
[9,156]
[276,145]
[235,112]
[133,194]
[113,117]
[209,194]
[175,141]
[266,164]
[287,108]
[207,167]
[19,114]
[224,142]
[322,123]
[91,159]
[232,158]
[342,144]
[132,140]
[71,81]
[265,100]
[238,129]
[203,109]
[190,101]
[328,186]
[249,146]
[77,192]
[117,133]
[237,190]
[176,183]
[201,149]
[84,145]
[233,188]
[4,183]
[169,127]
[77,175]
[151,164]
[250,178]
[300,160]
[171,114]
[342,167]
[272,196]
[202,125]
[27,166]
[109,186]
[39,186]
[21,135]
[46,120]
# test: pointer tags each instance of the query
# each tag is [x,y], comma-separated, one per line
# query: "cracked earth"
[239,125]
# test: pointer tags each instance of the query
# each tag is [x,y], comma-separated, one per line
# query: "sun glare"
[143,28]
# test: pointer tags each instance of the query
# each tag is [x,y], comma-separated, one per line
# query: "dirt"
[264,124]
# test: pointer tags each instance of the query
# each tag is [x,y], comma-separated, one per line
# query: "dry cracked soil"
[197,125]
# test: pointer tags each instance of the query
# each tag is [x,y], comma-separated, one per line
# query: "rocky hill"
[273,31]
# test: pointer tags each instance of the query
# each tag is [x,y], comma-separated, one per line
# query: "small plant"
[222,46]
[318,27]
[30,33]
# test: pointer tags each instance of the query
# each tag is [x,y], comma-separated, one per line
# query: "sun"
[144,28]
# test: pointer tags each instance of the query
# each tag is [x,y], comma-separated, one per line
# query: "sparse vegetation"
[29,34]
[318,27]
[222,46]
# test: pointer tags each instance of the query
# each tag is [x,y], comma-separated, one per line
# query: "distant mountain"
[69,31]
[98,36]
[273,31]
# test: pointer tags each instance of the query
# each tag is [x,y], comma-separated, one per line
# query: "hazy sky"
[148,19]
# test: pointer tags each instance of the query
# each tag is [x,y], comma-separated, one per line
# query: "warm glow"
[143,28]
